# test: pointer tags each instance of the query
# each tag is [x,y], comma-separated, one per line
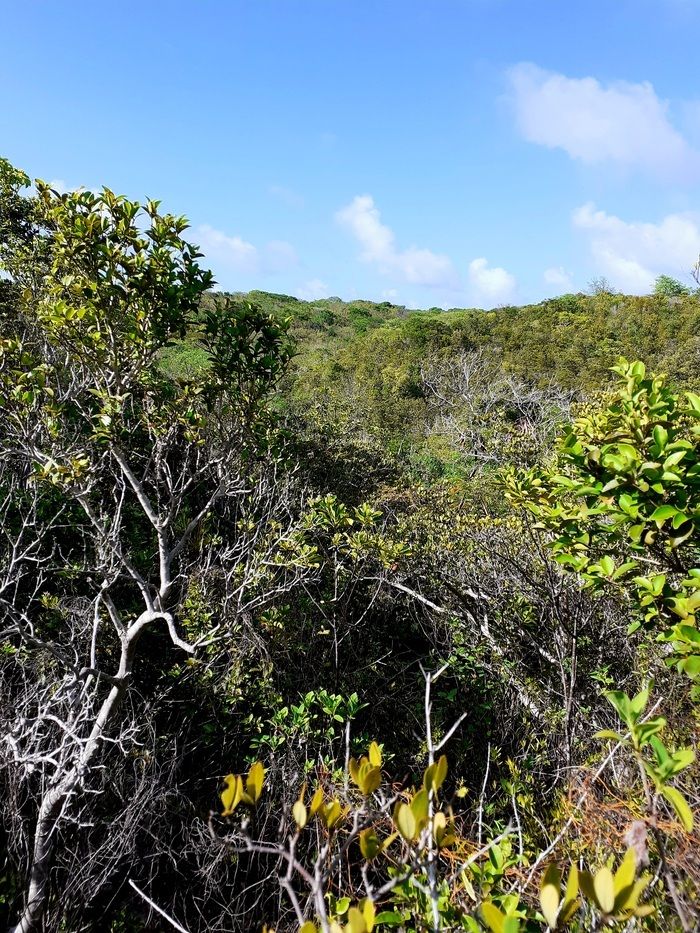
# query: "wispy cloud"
[278,256]
[236,254]
[632,254]
[361,218]
[312,290]
[620,122]
[287,196]
[558,277]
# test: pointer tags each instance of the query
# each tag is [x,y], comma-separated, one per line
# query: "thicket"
[328,616]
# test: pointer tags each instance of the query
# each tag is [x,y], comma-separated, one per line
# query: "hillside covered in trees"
[338,616]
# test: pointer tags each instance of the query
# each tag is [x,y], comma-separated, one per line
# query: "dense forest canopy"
[338,616]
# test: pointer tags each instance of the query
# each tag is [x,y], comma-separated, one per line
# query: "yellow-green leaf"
[300,814]
[435,774]
[439,827]
[624,876]
[493,917]
[316,801]
[356,921]
[405,821]
[570,903]
[419,808]
[636,892]
[680,805]
[369,779]
[585,879]
[550,893]
[440,772]
[604,887]
[375,755]
[369,843]
[332,813]
[369,913]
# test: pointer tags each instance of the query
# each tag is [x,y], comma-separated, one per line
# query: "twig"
[158,909]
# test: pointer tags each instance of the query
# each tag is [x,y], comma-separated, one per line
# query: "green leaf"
[389,918]
[691,666]
[662,514]
[694,402]
[639,702]
[608,734]
[660,436]
[621,702]
[607,565]
[674,459]
[369,843]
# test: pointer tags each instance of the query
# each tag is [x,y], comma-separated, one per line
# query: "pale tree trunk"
[57,797]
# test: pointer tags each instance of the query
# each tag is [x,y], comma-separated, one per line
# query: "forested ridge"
[338,616]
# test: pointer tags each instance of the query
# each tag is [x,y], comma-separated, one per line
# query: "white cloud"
[417,266]
[243,257]
[491,285]
[633,254]
[620,122]
[558,276]
[363,220]
[231,250]
[313,290]
[390,294]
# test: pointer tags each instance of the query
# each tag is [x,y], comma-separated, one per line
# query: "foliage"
[624,495]
[669,288]
[234,528]
[644,733]
[416,868]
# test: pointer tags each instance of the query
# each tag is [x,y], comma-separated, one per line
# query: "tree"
[491,417]
[666,287]
[600,286]
[119,487]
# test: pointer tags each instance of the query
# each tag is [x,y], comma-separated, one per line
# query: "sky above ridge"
[448,153]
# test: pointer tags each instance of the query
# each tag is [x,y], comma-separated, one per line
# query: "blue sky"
[442,152]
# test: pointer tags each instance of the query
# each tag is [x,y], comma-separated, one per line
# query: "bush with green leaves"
[622,504]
